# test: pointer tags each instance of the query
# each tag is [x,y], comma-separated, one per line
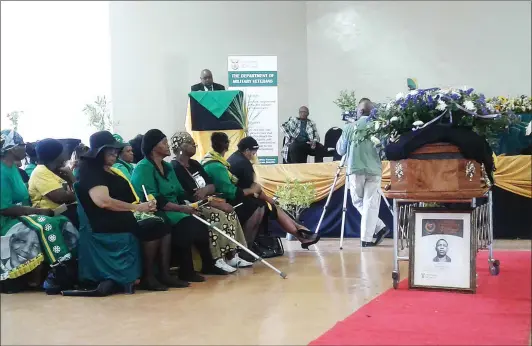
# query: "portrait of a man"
[441,251]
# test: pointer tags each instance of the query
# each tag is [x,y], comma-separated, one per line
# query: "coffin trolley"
[438,173]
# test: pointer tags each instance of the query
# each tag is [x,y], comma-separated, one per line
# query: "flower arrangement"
[294,196]
[419,108]
[517,105]
[347,101]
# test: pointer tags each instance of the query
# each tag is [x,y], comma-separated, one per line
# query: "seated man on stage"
[364,169]
[207,83]
[302,139]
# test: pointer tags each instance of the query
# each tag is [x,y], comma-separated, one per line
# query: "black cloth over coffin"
[203,119]
[471,145]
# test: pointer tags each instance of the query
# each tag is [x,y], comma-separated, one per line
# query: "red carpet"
[498,314]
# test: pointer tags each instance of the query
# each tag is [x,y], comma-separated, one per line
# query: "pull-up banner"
[256,76]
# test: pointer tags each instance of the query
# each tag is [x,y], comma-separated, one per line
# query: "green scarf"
[213,156]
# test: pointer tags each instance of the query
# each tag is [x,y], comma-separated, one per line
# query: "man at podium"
[207,83]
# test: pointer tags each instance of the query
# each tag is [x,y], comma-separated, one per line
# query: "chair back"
[331,137]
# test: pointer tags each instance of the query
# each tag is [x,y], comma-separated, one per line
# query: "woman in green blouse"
[124,161]
[158,178]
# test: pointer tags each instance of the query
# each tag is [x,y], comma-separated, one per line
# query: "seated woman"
[50,184]
[158,178]
[249,209]
[29,236]
[239,165]
[31,158]
[112,206]
[198,186]
[124,162]
[80,150]
[136,148]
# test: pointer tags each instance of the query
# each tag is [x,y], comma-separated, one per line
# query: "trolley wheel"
[395,278]
[495,268]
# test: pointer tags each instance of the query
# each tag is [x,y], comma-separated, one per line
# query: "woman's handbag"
[267,246]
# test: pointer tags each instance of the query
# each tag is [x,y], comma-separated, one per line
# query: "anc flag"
[213,111]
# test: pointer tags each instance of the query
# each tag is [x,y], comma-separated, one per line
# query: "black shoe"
[379,237]
[246,257]
[213,270]
[312,238]
[152,284]
[192,278]
[368,244]
[174,282]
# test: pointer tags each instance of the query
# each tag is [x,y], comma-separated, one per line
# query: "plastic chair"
[331,138]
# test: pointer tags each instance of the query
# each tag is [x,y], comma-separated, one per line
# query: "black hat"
[101,140]
[150,140]
[48,150]
[248,143]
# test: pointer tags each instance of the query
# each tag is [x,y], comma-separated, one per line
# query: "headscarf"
[150,140]
[136,144]
[9,139]
[179,138]
[48,150]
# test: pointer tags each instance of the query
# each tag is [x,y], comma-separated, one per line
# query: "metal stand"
[344,204]
[483,231]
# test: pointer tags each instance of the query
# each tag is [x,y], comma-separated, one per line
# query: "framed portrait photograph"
[442,250]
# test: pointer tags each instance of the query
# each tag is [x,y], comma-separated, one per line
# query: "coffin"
[436,173]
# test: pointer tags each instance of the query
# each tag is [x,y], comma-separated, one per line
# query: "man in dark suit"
[207,83]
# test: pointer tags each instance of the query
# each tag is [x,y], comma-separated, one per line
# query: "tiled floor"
[254,306]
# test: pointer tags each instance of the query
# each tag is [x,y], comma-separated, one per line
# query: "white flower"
[41,219]
[441,105]
[388,106]
[399,96]
[394,119]
[445,91]
[418,123]
[48,227]
[51,238]
[469,105]
[375,140]
[377,125]
[465,88]
[490,107]
[56,249]
[414,92]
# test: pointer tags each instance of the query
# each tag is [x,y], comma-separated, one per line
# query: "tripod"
[347,187]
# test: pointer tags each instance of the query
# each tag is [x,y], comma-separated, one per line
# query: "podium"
[215,111]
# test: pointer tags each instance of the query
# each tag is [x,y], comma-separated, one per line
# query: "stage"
[512,196]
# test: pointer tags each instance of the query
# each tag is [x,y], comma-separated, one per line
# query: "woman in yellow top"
[50,184]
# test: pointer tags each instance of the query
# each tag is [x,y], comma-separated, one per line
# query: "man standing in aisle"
[364,169]
[207,83]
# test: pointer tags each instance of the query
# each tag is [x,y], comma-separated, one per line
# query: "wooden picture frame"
[450,233]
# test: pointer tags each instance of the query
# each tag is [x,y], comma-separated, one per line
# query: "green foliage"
[245,109]
[347,101]
[99,114]
[14,118]
[294,196]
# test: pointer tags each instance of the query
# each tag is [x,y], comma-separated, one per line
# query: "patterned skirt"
[227,222]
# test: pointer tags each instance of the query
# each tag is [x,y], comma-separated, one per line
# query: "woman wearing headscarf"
[112,206]
[31,158]
[158,178]
[242,168]
[238,187]
[198,186]
[50,185]
[29,236]
[250,212]
[124,161]
[136,147]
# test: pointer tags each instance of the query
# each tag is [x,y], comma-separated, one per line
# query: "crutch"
[340,166]
[283,275]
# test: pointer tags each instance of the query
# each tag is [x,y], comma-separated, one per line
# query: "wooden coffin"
[436,173]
